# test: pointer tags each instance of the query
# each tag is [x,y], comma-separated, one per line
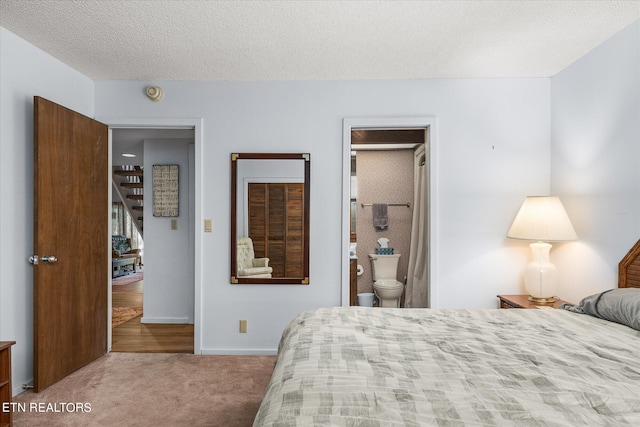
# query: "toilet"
[384,269]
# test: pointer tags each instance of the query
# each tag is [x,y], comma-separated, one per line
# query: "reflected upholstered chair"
[248,265]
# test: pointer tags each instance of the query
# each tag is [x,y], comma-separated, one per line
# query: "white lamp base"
[540,276]
[542,300]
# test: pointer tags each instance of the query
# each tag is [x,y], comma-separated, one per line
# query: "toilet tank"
[384,267]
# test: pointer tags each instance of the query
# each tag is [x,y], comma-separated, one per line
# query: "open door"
[70,280]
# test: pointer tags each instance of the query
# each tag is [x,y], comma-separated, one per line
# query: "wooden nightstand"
[522,301]
[6,418]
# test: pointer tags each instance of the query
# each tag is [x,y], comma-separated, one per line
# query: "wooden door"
[276,225]
[294,230]
[71,184]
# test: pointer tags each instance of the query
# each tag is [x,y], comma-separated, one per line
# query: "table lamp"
[543,219]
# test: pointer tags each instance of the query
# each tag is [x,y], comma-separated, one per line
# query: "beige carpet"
[128,389]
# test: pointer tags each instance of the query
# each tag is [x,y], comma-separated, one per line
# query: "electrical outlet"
[208,225]
[174,224]
[243,326]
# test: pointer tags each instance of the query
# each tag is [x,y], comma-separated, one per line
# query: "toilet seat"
[387,284]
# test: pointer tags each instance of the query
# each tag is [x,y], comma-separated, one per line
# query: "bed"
[358,366]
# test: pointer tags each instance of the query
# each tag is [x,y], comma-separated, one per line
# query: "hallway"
[135,337]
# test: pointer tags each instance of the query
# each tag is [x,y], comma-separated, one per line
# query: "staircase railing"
[129,185]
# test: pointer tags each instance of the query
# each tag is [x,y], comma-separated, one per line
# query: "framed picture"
[165,190]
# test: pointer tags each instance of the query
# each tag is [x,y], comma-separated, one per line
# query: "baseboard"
[17,389]
[239,352]
[167,320]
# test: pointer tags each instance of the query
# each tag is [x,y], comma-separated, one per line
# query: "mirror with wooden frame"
[270,218]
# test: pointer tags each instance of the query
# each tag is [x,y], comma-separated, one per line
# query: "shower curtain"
[417,292]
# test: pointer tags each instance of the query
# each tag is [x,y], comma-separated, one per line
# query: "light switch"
[174,224]
[208,226]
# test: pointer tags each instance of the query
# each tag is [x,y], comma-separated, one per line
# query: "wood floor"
[135,337]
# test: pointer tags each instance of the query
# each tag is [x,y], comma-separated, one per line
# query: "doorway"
[392,134]
[173,324]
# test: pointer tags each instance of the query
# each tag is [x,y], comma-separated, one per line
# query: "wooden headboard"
[629,268]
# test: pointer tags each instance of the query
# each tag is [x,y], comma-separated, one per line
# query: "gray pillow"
[621,305]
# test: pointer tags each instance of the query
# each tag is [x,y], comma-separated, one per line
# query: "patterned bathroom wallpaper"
[384,177]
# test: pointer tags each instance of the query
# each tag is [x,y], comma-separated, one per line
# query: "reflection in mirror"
[270,218]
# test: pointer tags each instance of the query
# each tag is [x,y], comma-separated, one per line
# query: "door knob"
[48,259]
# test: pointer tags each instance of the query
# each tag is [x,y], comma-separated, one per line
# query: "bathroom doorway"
[388,164]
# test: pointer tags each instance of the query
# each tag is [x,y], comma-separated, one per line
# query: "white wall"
[25,71]
[168,258]
[595,161]
[493,150]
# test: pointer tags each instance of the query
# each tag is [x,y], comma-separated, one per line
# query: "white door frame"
[427,122]
[196,124]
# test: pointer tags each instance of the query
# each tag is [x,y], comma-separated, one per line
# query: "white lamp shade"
[542,218]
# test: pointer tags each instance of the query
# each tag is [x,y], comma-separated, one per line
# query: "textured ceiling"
[311,40]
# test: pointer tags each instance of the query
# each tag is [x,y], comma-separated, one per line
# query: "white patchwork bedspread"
[360,366]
